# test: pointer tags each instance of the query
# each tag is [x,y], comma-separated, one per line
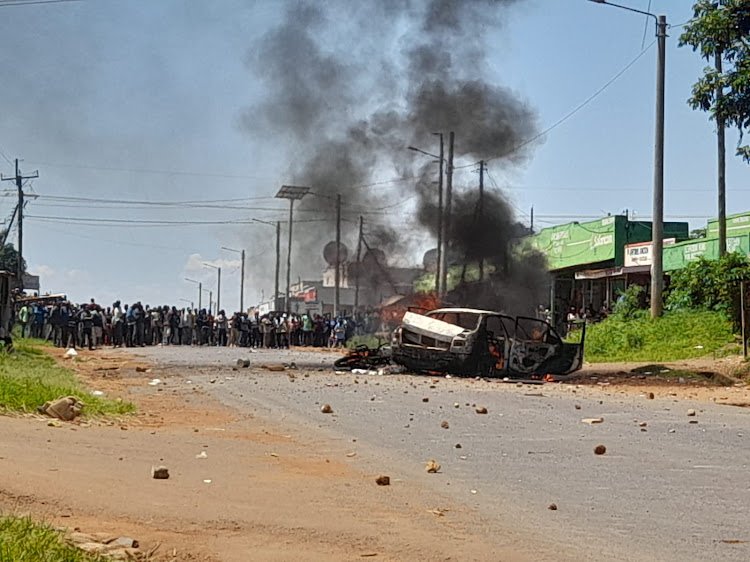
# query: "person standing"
[86,320]
[24,314]
[221,327]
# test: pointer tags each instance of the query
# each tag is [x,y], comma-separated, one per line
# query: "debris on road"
[432,467]
[383,480]
[66,409]
[366,359]
[481,410]
[107,546]
[691,412]
[243,363]
[458,445]
[552,507]
[274,368]
[456,405]
[71,353]
[201,455]
[650,396]
[425,399]
[592,421]
[326,409]
[445,425]
[159,472]
[600,450]
[142,370]
[155,382]
[440,512]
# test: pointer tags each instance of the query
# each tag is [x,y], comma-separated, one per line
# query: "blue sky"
[110,99]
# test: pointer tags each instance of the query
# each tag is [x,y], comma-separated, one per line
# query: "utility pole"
[242,284]
[359,263]
[337,276]
[440,257]
[200,296]
[532,220]
[722,162]
[447,218]
[218,293]
[18,178]
[479,218]
[278,266]
[657,267]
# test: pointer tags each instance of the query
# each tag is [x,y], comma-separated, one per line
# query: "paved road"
[676,491]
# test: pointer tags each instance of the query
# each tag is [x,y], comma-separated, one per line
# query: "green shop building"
[591,261]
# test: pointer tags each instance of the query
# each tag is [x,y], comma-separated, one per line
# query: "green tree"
[722,28]
[710,285]
[9,258]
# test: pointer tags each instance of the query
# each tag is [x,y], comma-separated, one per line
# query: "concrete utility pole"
[657,230]
[242,275]
[359,263]
[447,218]
[337,275]
[218,286]
[293,193]
[657,267]
[440,217]
[276,224]
[18,178]
[200,291]
[722,163]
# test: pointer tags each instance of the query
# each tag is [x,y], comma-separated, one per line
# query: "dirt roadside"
[258,494]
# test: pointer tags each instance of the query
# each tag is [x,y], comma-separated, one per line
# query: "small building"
[591,261]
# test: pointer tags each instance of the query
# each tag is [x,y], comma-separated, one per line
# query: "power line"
[6,3]
[151,171]
[568,115]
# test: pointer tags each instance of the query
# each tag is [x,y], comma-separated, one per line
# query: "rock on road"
[666,490]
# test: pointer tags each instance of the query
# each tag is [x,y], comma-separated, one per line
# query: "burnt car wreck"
[469,342]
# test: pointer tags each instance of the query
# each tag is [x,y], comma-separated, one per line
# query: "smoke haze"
[345,116]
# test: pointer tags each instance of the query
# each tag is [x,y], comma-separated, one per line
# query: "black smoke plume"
[349,85]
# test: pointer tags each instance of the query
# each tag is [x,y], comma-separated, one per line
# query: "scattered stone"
[578,407]
[53,423]
[212,381]
[691,412]
[600,450]
[159,472]
[383,480]
[425,399]
[592,421]
[141,369]
[66,409]
[552,507]
[456,405]
[671,431]
[643,424]
[432,467]
[201,455]
[444,425]
[693,421]
[650,396]
[326,409]
[350,455]
[458,445]
[243,363]
[481,410]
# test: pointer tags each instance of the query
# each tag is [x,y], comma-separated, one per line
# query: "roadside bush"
[631,302]
[677,335]
[710,285]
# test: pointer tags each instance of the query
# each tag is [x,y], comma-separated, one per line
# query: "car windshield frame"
[461,318]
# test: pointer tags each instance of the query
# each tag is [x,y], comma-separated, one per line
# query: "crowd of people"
[91,325]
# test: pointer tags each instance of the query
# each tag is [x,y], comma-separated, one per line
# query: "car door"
[537,350]
[493,344]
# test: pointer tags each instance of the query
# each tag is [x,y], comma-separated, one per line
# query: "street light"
[218,288]
[242,276]
[200,290]
[657,230]
[190,302]
[277,225]
[440,274]
[293,193]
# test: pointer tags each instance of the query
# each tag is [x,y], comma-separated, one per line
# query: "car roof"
[464,310]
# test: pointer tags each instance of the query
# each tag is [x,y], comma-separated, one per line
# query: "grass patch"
[29,378]
[677,335]
[24,539]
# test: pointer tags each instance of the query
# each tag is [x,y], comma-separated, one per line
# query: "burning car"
[465,341]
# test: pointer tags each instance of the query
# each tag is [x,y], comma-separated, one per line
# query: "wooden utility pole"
[722,164]
[359,263]
[441,217]
[479,212]
[337,275]
[447,218]
[19,184]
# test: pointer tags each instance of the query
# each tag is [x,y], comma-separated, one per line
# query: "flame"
[391,316]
